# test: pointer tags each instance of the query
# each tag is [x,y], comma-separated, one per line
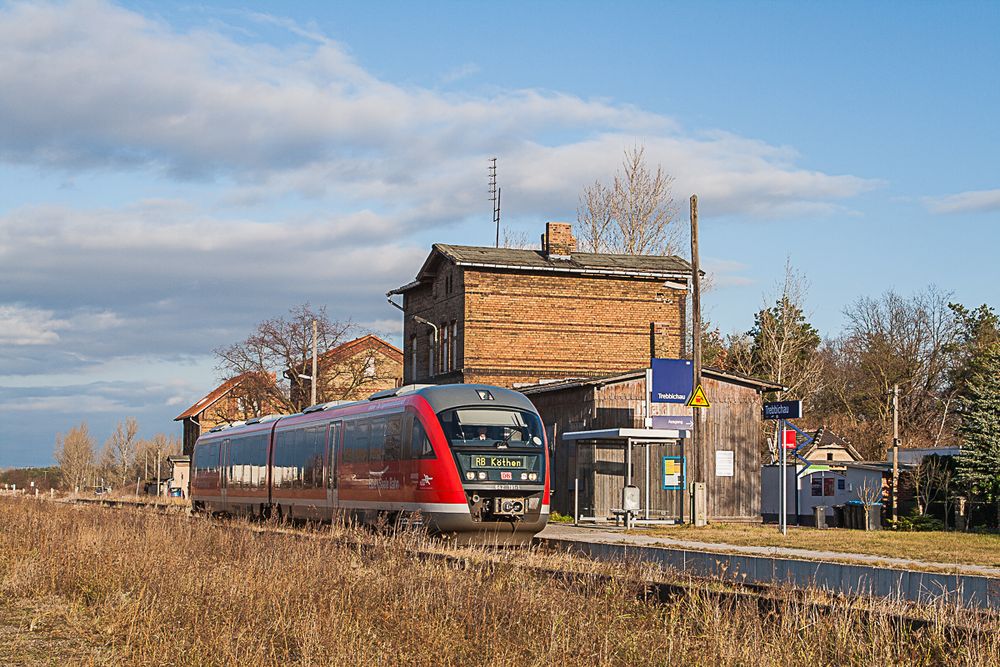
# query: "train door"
[415,448]
[332,467]
[224,474]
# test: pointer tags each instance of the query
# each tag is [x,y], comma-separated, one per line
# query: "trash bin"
[874,518]
[854,514]
[861,517]
[838,516]
[819,516]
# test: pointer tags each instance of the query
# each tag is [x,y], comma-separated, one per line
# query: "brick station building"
[514,317]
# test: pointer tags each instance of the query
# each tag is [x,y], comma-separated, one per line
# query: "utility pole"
[895,452]
[313,397]
[698,467]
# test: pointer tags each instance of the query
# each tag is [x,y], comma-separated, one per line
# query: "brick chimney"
[559,242]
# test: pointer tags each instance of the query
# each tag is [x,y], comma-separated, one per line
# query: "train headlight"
[533,476]
[482,475]
[470,475]
[524,476]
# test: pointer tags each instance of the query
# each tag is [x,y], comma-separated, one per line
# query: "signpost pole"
[783,411]
[783,516]
[646,499]
[628,480]
[576,485]
[895,454]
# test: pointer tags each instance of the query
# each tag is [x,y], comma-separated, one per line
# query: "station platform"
[838,572]
[610,534]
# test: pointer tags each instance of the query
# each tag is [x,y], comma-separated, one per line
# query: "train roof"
[448,396]
[439,397]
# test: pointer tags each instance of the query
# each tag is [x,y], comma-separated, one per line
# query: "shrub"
[916,522]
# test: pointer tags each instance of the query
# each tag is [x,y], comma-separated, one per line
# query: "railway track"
[769,599]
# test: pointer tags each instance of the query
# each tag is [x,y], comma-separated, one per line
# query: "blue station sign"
[672,380]
[783,410]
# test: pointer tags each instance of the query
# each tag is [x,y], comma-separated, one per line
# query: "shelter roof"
[626,434]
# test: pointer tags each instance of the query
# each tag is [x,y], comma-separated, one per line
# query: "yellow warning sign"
[698,399]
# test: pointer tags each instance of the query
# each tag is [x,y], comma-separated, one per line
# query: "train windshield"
[495,428]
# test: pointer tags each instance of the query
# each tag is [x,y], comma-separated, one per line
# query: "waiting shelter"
[606,463]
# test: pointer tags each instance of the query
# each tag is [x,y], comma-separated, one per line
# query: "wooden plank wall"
[732,423]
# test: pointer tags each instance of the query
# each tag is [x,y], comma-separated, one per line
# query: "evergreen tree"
[979,463]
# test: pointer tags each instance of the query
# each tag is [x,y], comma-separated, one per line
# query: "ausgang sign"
[783,410]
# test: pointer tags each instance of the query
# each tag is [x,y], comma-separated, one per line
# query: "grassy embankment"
[937,546]
[88,585]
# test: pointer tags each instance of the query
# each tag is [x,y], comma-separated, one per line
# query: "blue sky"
[171,174]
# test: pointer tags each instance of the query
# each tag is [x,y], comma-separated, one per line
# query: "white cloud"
[308,119]
[461,72]
[278,174]
[23,325]
[971,201]
[726,272]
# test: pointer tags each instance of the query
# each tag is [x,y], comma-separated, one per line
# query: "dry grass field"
[937,546]
[89,585]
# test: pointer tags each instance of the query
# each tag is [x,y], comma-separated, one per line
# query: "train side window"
[356,436]
[420,444]
[206,458]
[314,442]
[376,446]
[284,469]
[235,468]
[298,462]
[394,438]
[259,477]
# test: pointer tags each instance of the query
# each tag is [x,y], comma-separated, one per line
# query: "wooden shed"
[730,456]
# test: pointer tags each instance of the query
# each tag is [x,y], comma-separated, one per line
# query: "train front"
[496,441]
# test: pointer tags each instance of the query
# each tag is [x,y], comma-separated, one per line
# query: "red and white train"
[469,461]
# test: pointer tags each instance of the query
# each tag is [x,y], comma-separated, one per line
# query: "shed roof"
[707,371]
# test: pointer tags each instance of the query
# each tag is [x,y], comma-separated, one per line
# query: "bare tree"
[633,215]
[782,347]
[354,372]
[120,449]
[514,238]
[895,340]
[75,455]
[154,452]
[869,494]
[282,347]
[929,480]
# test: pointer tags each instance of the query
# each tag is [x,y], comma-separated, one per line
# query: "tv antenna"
[495,196]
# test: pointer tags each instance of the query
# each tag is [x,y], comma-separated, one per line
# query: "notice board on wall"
[725,463]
